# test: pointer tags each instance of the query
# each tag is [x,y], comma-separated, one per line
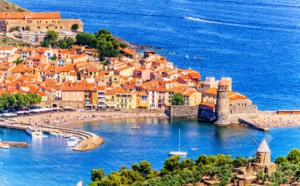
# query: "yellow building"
[142,100]
[110,98]
[125,100]
[94,97]
[115,81]
[125,71]
[192,98]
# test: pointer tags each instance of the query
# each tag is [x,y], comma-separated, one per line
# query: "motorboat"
[179,152]
[71,143]
[5,146]
[34,131]
[186,56]
[135,127]
[198,58]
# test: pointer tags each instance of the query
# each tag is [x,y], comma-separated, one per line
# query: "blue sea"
[256,43]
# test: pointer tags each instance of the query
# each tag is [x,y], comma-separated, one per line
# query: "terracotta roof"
[33,15]
[110,92]
[190,92]
[129,51]
[211,91]
[194,75]
[102,88]
[208,104]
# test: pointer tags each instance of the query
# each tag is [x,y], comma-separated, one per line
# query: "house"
[101,97]
[125,99]
[110,98]
[192,98]
[142,73]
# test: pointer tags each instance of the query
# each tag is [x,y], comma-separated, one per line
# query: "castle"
[223,106]
[36,21]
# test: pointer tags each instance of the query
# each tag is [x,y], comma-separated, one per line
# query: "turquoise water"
[49,162]
[254,42]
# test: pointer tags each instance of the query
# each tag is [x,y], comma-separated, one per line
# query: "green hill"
[10,7]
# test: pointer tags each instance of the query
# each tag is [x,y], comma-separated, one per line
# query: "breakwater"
[89,141]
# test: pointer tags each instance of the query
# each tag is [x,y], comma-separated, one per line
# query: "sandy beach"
[60,118]
[271,119]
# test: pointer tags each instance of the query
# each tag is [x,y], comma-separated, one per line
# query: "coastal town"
[81,77]
[76,78]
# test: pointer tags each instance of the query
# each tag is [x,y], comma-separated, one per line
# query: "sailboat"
[179,152]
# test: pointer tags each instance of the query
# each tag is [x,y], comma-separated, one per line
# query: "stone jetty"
[89,141]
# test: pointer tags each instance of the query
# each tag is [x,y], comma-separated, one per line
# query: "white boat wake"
[237,24]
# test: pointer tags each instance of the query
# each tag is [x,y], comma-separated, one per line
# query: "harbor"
[87,140]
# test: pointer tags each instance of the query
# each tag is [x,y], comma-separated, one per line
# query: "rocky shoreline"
[132,45]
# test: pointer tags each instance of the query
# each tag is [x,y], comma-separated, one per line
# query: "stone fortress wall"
[37,21]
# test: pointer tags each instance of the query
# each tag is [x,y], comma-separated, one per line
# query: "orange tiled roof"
[211,91]
[190,92]
[110,92]
[33,15]
[208,104]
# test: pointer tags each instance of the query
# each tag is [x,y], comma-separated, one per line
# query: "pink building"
[143,73]
[72,93]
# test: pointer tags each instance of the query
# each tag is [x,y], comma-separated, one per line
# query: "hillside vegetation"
[10,7]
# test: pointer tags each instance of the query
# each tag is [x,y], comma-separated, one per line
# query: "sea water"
[48,161]
[256,43]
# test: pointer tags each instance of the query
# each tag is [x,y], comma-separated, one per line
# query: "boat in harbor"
[34,131]
[179,152]
[71,143]
[5,146]
[135,127]
[198,58]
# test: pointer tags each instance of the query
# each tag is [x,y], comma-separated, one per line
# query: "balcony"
[57,98]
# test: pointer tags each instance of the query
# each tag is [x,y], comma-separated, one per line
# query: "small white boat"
[186,56]
[179,152]
[71,143]
[135,127]
[5,146]
[194,148]
[35,131]
[198,58]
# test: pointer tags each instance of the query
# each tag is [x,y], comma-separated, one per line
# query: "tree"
[107,45]
[74,27]
[18,61]
[86,39]
[280,160]
[45,43]
[294,156]
[53,58]
[52,35]
[67,42]
[177,99]
[97,174]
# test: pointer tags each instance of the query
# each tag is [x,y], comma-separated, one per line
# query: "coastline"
[73,117]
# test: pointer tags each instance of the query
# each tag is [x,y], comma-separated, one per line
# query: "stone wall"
[180,111]
[74,104]
[207,115]
[242,106]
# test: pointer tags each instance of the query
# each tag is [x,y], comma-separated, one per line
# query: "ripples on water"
[49,162]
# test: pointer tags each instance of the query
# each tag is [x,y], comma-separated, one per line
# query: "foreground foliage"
[176,172]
